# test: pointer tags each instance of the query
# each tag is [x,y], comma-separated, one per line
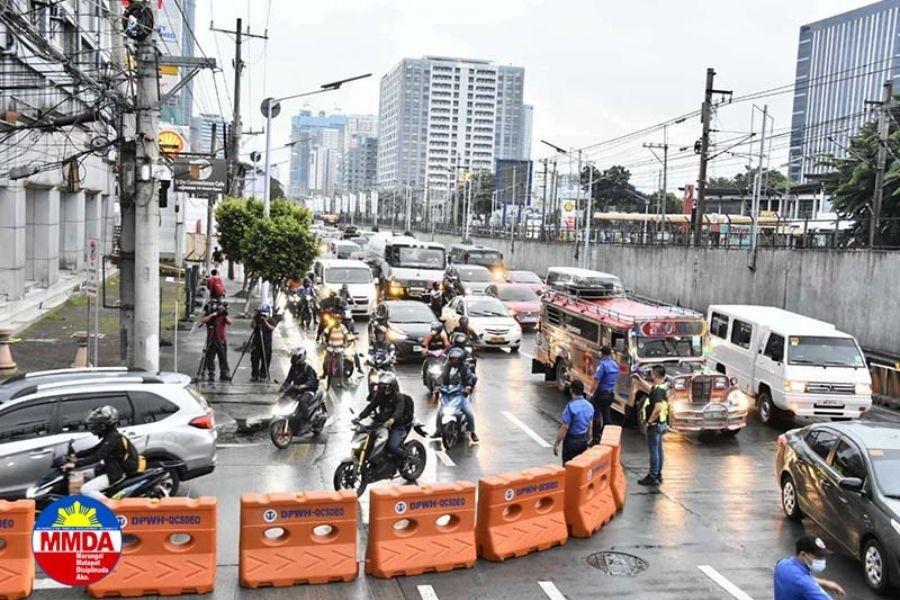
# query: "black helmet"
[102,419]
[436,327]
[387,383]
[435,285]
[379,331]
[459,339]
[456,356]
[344,287]
[298,355]
[464,321]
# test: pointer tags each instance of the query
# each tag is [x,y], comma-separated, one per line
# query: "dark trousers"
[602,402]
[218,350]
[655,447]
[260,357]
[395,442]
[572,447]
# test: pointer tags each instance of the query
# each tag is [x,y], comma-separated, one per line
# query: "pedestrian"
[578,421]
[215,285]
[794,579]
[261,351]
[607,374]
[655,412]
[215,317]
[217,257]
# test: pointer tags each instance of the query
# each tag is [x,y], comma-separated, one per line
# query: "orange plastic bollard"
[612,438]
[520,513]
[589,500]
[417,529]
[16,559]
[168,548]
[290,539]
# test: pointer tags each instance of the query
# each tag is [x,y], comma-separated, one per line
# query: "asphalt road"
[715,522]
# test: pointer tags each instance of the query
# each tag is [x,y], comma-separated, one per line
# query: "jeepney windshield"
[670,347]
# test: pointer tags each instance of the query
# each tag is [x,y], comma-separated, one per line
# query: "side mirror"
[732,380]
[851,484]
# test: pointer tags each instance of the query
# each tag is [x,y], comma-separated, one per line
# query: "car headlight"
[863,389]
[738,400]
[395,288]
[796,387]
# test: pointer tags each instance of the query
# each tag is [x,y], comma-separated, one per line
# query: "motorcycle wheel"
[450,435]
[348,477]
[413,467]
[172,477]
[165,487]
[281,433]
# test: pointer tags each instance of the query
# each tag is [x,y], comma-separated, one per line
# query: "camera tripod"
[253,336]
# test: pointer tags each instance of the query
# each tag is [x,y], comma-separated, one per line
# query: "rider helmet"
[436,327]
[386,384]
[380,333]
[456,356]
[102,419]
[298,355]
[464,322]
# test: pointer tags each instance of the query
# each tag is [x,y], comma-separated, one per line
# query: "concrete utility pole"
[705,117]
[577,202]
[661,209]
[757,190]
[512,219]
[146,206]
[544,200]
[589,207]
[127,174]
[210,205]
[883,132]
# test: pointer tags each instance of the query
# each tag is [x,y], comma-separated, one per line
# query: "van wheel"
[562,376]
[768,412]
[789,501]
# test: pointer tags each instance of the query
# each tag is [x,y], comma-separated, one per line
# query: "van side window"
[740,333]
[718,325]
[775,347]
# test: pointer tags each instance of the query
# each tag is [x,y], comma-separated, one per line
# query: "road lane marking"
[528,430]
[427,592]
[551,590]
[723,583]
[236,445]
[444,458]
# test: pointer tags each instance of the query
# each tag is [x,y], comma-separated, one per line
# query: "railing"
[774,232]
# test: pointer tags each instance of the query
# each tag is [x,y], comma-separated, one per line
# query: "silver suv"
[162,414]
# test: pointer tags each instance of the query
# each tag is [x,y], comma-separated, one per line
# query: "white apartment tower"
[439,115]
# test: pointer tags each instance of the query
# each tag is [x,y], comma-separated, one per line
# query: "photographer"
[261,352]
[215,317]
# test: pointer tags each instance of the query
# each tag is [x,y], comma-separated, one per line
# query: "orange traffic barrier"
[168,548]
[290,539]
[16,560]
[612,438]
[416,529]
[519,513]
[589,499]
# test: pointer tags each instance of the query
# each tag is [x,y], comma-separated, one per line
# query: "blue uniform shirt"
[607,373]
[578,415]
[793,581]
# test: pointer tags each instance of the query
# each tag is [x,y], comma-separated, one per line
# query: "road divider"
[612,438]
[520,513]
[16,558]
[168,548]
[290,539]
[589,498]
[417,529]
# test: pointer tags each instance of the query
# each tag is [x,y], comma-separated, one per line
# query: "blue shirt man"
[607,372]
[578,421]
[794,576]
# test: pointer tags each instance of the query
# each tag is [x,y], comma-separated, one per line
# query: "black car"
[846,478]
[407,322]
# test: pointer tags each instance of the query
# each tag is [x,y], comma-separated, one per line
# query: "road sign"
[200,177]
[275,107]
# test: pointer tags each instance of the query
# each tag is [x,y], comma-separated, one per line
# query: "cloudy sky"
[594,69]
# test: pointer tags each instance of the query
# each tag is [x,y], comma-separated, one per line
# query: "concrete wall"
[858,291]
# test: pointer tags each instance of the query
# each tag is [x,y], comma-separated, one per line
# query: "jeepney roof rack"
[592,292]
[619,315]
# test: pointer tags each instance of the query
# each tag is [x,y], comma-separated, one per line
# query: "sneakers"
[210,377]
[224,378]
[254,379]
[649,480]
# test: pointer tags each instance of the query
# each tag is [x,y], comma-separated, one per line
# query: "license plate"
[834,403]
[416,291]
[417,348]
[496,340]
[527,319]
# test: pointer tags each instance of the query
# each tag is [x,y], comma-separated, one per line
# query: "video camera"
[218,307]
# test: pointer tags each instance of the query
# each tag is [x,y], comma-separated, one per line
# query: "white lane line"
[427,592]
[444,458]
[528,430]
[551,590]
[48,584]
[235,445]
[723,583]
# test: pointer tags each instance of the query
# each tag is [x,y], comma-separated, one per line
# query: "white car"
[495,327]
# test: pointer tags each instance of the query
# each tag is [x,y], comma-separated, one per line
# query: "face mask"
[817,565]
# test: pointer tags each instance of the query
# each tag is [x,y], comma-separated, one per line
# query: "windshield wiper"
[801,361]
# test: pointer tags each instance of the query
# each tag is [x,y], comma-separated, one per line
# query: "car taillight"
[782,441]
[203,422]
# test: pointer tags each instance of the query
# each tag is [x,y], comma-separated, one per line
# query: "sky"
[594,69]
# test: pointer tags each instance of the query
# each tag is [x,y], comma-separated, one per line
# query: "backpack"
[216,286]
[133,461]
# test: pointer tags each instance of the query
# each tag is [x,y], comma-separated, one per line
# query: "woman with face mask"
[795,576]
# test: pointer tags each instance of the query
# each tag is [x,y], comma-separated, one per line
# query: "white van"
[332,273]
[790,363]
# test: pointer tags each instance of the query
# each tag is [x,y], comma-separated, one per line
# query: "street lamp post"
[271,107]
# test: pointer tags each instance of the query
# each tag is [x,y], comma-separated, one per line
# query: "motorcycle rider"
[301,377]
[307,295]
[116,455]
[345,301]
[329,306]
[463,327]
[338,335]
[436,339]
[382,347]
[392,409]
[435,298]
[457,372]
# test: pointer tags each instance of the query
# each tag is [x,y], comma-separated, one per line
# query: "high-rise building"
[360,153]
[176,39]
[438,115]
[842,62]
[202,131]
[317,144]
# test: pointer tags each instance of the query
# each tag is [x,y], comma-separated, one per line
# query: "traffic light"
[164,192]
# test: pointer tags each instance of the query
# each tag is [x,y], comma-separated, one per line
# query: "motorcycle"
[454,424]
[370,461]
[461,340]
[378,363]
[61,481]
[296,416]
[305,312]
[339,363]
[432,369]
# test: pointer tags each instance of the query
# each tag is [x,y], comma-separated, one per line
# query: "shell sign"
[171,142]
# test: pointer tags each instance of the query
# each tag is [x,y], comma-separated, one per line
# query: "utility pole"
[757,191]
[127,173]
[210,204]
[233,149]
[589,202]
[661,209]
[544,201]
[705,117]
[512,220]
[577,203]
[883,131]
[146,205]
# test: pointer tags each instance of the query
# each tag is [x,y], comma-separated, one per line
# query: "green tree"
[233,217]
[742,183]
[612,189]
[851,182]
[482,182]
[278,248]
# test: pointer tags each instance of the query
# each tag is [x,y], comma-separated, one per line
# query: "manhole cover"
[618,564]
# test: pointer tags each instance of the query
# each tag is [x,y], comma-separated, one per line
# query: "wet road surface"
[716,521]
